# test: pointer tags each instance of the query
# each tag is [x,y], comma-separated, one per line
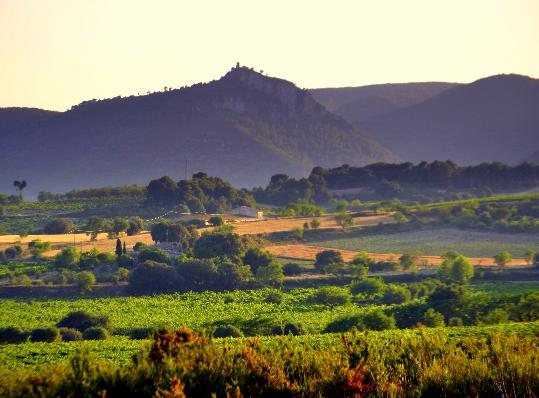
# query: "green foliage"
[218,245]
[95,333]
[167,231]
[82,320]
[315,223]
[271,275]
[85,281]
[376,320]
[59,226]
[408,262]
[227,331]
[68,257]
[293,269]
[331,296]
[216,221]
[47,335]
[38,247]
[12,335]
[456,269]
[502,258]
[274,297]
[395,294]
[257,257]
[369,287]
[70,334]
[153,277]
[139,246]
[329,261]
[344,220]
[433,318]
[303,210]
[154,254]
[293,328]
[13,252]
[136,225]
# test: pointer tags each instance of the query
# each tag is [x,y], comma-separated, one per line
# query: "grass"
[438,241]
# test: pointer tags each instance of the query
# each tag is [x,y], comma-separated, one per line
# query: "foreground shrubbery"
[185,364]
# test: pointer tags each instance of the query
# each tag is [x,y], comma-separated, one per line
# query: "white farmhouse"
[247,211]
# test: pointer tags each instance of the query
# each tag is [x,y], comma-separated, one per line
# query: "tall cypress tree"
[125,249]
[118,247]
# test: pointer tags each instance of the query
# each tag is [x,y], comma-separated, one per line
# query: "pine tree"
[118,247]
[125,249]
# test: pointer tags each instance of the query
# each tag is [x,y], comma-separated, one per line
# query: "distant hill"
[533,158]
[492,119]
[243,127]
[357,104]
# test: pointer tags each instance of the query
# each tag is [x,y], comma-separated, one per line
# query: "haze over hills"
[357,104]
[491,119]
[243,127]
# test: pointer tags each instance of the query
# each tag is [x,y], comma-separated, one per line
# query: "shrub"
[274,297]
[216,221]
[256,257]
[408,262]
[368,286]
[455,268]
[455,321]
[376,320]
[48,335]
[95,333]
[85,281]
[155,254]
[502,258]
[81,320]
[139,246]
[218,244]
[141,333]
[331,296]
[433,318]
[58,226]
[12,335]
[68,257]
[395,294]
[447,292]
[227,331]
[383,266]
[136,224]
[272,275]
[125,261]
[38,247]
[70,334]
[292,269]
[329,261]
[13,252]
[497,315]
[152,277]
[292,328]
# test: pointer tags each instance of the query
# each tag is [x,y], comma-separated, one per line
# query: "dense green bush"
[70,334]
[227,331]
[368,286]
[331,296]
[153,277]
[293,328]
[218,244]
[12,335]
[329,261]
[95,333]
[433,318]
[395,294]
[59,226]
[82,320]
[47,335]
[292,269]
[257,257]
[274,297]
[155,254]
[376,320]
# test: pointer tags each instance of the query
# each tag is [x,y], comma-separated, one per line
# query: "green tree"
[376,320]
[118,250]
[85,281]
[456,268]
[395,294]
[344,220]
[529,256]
[256,258]
[329,261]
[218,245]
[271,275]
[502,258]
[216,221]
[95,226]
[369,287]
[408,262]
[38,247]
[433,318]
[136,225]
[166,231]
[315,223]
[68,257]
[59,226]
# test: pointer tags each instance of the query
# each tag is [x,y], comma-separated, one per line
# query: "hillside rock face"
[492,119]
[243,127]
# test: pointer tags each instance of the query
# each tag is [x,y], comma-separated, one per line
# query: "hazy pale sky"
[56,53]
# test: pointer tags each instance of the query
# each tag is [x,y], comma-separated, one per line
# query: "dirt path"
[305,252]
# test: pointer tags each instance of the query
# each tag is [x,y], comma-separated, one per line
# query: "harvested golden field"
[286,224]
[305,252]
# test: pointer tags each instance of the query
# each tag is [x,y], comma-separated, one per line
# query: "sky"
[57,53]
